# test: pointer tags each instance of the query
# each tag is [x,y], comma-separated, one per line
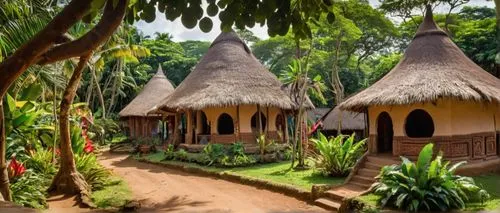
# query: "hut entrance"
[225,125]
[384,133]
[254,124]
[205,128]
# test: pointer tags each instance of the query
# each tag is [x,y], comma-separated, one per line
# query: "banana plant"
[337,155]
[427,185]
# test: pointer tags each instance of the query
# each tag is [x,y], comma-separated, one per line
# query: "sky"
[180,33]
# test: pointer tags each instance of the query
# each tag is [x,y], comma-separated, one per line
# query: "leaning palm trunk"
[99,93]
[338,88]
[4,177]
[68,180]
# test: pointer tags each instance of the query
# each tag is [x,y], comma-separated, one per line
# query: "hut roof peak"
[157,89]
[230,36]
[159,73]
[228,75]
[432,68]
[428,25]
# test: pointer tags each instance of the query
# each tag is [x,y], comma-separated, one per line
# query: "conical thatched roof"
[228,75]
[157,89]
[433,67]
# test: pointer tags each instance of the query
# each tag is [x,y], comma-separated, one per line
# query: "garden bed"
[488,182]
[272,176]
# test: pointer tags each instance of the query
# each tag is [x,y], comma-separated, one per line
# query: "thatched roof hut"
[157,89]
[349,120]
[434,94]
[432,67]
[228,75]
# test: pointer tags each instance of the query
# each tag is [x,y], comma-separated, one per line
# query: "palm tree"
[296,78]
[20,21]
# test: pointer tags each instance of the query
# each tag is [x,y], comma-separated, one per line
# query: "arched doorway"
[385,133]
[225,125]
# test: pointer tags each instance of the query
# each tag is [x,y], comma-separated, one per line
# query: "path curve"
[159,188]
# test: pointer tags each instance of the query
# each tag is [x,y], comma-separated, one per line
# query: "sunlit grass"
[279,172]
[114,195]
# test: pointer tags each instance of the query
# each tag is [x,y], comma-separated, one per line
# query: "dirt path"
[158,188]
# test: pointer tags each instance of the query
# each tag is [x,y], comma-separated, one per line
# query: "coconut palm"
[296,78]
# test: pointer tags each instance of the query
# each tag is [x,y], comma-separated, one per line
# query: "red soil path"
[161,189]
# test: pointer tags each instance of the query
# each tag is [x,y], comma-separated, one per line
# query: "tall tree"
[50,44]
[68,180]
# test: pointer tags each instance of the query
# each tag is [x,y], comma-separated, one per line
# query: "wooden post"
[285,118]
[176,130]
[267,121]
[259,120]
[189,127]
[238,136]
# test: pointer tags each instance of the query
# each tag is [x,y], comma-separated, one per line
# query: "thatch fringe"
[432,68]
[157,89]
[228,75]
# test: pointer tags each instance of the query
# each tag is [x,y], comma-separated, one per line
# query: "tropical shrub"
[29,190]
[41,163]
[181,155]
[426,185]
[95,174]
[336,156]
[215,152]
[237,149]
[169,152]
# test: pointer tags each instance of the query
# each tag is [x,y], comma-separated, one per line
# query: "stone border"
[285,189]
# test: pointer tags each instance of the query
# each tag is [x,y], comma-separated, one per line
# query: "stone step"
[363,179]
[383,161]
[344,191]
[373,166]
[368,172]
[327,204]
[365,186]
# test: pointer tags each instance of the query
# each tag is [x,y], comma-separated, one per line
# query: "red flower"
[16,168]
[89,146]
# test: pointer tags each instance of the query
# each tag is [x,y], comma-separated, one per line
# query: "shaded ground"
[159,188]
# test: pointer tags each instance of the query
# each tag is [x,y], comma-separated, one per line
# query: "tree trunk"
[68,180]
[497,8]
[99,93]
[4,177]
[338,88]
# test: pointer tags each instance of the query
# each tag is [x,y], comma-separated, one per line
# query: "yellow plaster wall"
[450,117]
[246,113]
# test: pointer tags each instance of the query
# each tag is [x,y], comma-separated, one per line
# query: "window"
[419,124]
[225,125]
[254,121]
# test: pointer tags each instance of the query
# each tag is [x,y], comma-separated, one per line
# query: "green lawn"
[275,172]
[490,183]
[114,195]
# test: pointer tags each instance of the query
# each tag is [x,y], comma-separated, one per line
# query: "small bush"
[215,152]
[95,174]
[426,185]
[181,155]
[169,152]
[237,149]
[41,163]
[29,190]
[337,156]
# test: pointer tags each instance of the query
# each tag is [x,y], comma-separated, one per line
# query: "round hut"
[136,120]
[229,96]
[435,94]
